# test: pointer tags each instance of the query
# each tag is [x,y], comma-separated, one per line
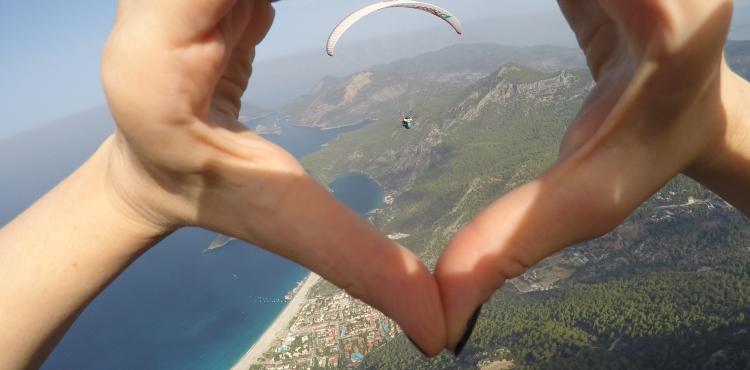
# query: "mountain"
[667,289]
[441,161]
[279,80]
[439,167]
[387,89]
[400,86]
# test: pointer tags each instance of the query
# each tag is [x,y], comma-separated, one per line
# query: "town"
[329,332]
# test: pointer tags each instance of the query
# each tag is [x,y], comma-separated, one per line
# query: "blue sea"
[177,307]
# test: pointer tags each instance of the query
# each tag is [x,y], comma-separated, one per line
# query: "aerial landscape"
[669,288]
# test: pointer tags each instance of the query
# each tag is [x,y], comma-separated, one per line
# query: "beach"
[279,326]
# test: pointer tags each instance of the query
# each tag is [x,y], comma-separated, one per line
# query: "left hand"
[174,72]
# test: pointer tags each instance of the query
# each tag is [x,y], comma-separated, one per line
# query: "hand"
[174,72]
[659,107]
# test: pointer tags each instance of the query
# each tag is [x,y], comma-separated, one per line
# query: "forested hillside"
[669,288]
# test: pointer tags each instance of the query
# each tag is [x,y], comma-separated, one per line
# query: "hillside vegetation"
[669,288]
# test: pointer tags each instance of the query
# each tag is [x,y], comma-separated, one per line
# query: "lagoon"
[358,191]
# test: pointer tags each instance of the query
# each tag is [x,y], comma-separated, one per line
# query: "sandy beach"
[279,326]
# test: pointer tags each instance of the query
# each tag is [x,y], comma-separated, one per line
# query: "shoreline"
[362,122]
[279,325]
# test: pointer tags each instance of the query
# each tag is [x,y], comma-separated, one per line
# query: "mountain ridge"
[401,85]
[438,177]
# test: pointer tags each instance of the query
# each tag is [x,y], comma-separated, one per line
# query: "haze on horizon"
[51,64]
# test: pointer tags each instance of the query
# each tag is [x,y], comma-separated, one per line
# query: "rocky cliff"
[387,89]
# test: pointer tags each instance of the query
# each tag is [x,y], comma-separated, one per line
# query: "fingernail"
[415,345]
[469,330]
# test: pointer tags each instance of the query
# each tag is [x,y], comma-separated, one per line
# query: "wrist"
[724,166]
[736,143]
[124,190]
[75,240]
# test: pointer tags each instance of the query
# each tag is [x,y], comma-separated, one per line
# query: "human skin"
[173,73]
[665,103]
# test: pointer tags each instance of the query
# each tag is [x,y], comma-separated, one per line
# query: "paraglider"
[345,24]
[406,121]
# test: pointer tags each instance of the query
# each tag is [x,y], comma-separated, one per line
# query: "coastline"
[279,325]
[362,122]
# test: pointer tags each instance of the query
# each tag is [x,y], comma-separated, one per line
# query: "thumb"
[514,233]
[309,226]
[580,198]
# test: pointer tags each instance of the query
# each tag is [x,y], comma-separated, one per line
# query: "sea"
[178,306]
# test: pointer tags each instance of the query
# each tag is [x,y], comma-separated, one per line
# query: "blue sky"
[51,48]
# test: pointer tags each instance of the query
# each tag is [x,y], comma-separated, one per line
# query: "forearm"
[57,256]
[725,168]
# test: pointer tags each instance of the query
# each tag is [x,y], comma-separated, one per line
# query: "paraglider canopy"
[345,24]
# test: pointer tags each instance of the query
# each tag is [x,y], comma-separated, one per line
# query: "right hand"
[664,101]
[174,72]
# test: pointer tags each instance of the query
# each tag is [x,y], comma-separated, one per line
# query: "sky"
[51,49]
